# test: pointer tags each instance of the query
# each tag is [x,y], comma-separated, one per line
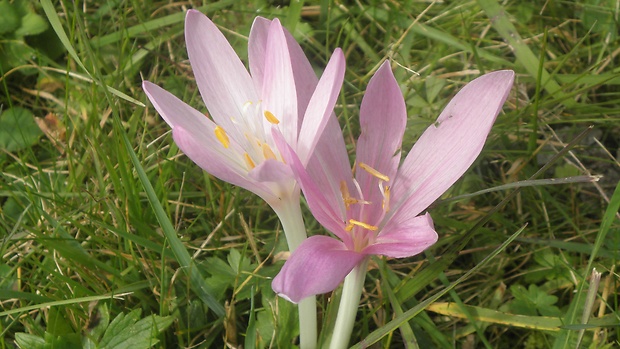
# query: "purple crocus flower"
[282,91]
[378,208]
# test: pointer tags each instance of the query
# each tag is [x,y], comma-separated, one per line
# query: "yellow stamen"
[246,105]
[346,198]
[353,222]
[248,161]
[221,136]
[271,118]
[267,152]
[373,172]
[385,205]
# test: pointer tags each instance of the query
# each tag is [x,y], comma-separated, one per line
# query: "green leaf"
[100,321]
[32,24]
[15,53]
[238,262]
[50,341]
[533,301]
[57,324]
[9,18]
[29,341]
[126,331]
[18,130]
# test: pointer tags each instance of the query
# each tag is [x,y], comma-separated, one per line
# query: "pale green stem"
[295,230]
[351,294]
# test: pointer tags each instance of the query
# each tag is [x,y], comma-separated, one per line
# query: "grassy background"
[84,243]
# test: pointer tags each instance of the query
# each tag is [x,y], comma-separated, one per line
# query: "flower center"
[362,231]
[256,149]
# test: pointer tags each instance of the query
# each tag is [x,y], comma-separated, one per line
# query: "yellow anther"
[271,118]
[267,152]
[346,198]
[221,136]
[353,222]
[373,172]
[248,161]
[385,205]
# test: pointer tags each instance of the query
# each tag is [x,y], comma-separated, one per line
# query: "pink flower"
[379,212]
[282,91]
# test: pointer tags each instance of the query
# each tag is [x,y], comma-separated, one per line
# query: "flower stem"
[347,311]
[292,221]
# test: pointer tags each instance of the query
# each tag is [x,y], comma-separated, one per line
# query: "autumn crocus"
[377,209]
[280,91]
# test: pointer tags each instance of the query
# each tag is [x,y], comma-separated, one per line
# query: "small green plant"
[125,331]
[24,36]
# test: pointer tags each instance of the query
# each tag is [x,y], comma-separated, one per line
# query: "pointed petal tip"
[339,53]
[193,13]
[275,25]
[147,85]
[194,17]
[258,20]
[505,76]
[386,65]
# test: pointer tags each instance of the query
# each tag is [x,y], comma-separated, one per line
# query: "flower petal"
[406,239]
[323,210]
[195,135]
[321,106]
[224,83]
[201,151]
[278,91]
[383,117]
[175,112]
[305,78]
[329,168]
[448,147]
[271,171]
[257,48]
[317,266]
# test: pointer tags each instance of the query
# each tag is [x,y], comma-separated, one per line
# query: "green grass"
[102,218]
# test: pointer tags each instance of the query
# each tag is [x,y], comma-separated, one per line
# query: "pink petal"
[278,91]
[176,112]
[448,147]
[323,210]
[194,133]
[321,106]
[201,150]
[383,117]
[224,82]
[305,78]
[329,167]
[317,266]
[406,239]
[257,48]
[271,171]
